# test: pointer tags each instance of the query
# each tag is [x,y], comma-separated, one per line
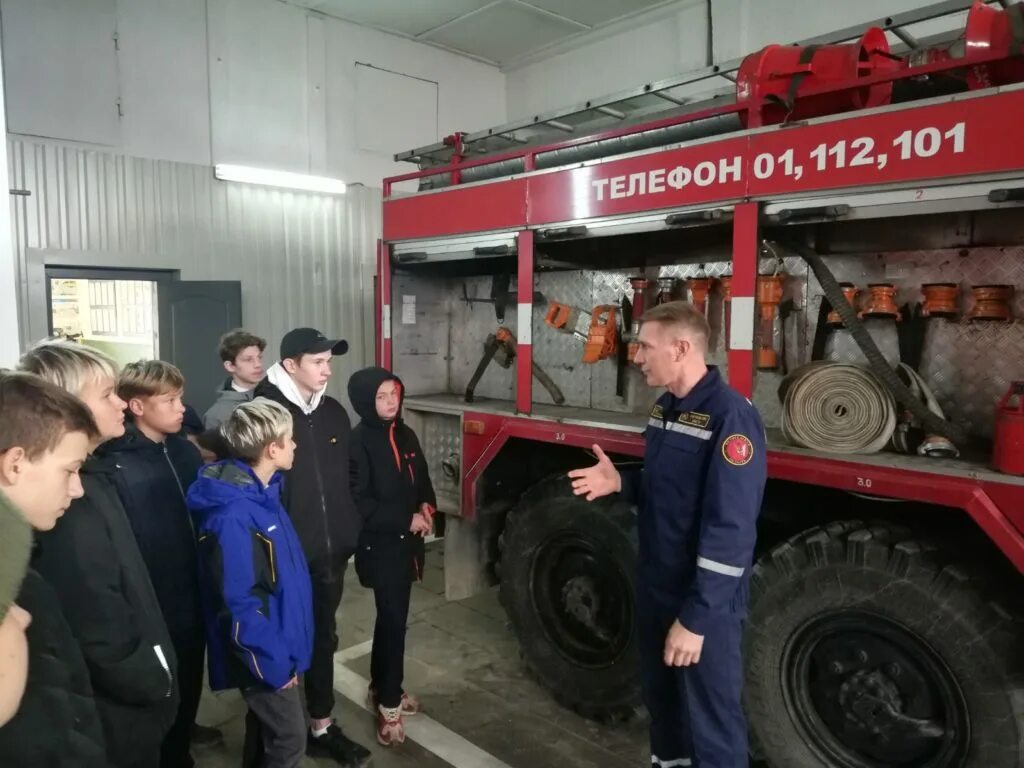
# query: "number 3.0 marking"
[863,482]
[559,437]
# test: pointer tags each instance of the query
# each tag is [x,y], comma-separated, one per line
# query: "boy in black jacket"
[319,503]
[45,435]
[392,491]
[155,467]
[92,562]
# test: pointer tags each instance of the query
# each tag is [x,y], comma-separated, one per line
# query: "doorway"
[114,311]
[136,315]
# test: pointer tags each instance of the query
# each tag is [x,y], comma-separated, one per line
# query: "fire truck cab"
[848,216]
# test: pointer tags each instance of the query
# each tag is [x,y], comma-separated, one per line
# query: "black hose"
[877,361]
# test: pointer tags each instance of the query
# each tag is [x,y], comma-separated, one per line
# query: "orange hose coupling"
[881,302]
[699,289]
[850,291]
[992,302]
[940,299]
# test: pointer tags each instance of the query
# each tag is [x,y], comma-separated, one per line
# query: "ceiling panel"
[503,31]
[497,31]
[403,16]
[595,12]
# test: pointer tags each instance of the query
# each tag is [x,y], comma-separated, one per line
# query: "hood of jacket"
[229,482]
[362,393]
[279,377]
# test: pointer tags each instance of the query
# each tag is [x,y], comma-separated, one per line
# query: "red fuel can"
[1008,448]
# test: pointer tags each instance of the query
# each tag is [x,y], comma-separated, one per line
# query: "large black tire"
[854,627]
[568,585]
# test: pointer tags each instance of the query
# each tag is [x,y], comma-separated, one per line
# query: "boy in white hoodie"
[319,502]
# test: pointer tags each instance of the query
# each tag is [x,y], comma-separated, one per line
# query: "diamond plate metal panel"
[440,438]
[968,365]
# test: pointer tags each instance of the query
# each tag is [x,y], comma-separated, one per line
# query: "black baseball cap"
[309,341]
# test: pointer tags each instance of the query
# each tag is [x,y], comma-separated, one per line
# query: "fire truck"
[847,213]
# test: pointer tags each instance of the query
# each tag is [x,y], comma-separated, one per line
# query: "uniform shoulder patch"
[694,419]
[657,412]
[737,450]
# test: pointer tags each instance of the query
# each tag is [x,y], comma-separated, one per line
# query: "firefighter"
[699,494]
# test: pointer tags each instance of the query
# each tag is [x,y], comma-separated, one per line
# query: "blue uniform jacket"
[699,495]
[256,593]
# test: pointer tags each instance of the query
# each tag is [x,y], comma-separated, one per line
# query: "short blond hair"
[253,426]
[147,378]
[683,316]
[68,365]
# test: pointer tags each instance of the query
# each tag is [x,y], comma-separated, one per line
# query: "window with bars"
[121,307]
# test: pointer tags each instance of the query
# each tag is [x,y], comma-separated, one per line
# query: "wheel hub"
[583,599]
[869,692]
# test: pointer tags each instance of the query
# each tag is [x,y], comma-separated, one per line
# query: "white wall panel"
[163,76]
[258,75]
[302,259]
[61,69]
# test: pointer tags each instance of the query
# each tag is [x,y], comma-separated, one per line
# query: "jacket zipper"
[320,490]
[181,488]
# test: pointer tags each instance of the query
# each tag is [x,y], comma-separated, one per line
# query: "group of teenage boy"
[131,547]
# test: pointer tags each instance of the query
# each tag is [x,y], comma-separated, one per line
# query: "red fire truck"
[848,217]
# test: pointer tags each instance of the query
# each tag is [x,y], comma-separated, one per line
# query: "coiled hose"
[879,365]
[837,408]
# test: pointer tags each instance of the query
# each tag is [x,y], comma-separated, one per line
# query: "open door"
[193,316]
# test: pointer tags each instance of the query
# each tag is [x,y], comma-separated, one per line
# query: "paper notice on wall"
[408,310]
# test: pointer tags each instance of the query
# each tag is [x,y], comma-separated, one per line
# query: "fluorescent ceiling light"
[248,175]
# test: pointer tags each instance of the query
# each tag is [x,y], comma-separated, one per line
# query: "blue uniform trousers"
[696,712]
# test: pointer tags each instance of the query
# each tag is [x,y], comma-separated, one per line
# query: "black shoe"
[204,736]
[339,747]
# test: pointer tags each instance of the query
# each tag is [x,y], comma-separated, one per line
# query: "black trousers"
[319,679]
[387,659]
[174,752]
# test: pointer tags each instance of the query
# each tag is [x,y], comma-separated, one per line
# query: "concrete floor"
[481,710]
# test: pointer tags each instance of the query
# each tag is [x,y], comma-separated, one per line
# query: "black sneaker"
[339,747]
[204,736]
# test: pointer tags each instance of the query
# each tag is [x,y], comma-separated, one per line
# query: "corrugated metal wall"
[302,259]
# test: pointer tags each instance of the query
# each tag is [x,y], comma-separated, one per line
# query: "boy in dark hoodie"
[392,491]
[155,467]
[256,591]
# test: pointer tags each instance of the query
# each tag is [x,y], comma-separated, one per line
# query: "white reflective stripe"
[385,322]
[686,429]
[741,329]
[722,568]
[524,323]
[681,761]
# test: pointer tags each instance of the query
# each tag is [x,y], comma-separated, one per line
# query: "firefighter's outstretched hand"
[682,647]
[596,481]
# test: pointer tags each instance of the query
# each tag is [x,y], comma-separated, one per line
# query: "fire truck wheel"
[866,647]
[567,585]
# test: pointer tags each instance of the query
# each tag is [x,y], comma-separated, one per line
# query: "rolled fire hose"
[933,424]
[837,408]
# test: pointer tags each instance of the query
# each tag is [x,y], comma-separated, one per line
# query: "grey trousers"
[282,721]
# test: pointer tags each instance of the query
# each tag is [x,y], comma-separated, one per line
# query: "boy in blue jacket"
[255,585]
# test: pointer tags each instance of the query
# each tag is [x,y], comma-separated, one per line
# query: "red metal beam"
[746,246]
[994,506]
[384,316]
[524,324]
